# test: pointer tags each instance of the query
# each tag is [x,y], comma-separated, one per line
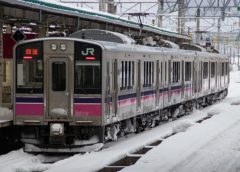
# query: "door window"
[58,76]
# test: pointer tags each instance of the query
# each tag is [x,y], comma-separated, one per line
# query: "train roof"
[146,49]
[112,46]
[102,35]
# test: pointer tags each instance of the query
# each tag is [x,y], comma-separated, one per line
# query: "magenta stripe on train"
[127,102]
[88,109]
[25,109]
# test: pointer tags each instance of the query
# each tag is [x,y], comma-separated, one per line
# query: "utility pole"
[159,12]
[238,43]
[111,7]
[219,33]
[198,27]
[181,16]
[102,5]
[238,56]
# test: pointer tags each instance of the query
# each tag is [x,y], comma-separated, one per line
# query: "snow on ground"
[182,126]
[19,161]
[213,145]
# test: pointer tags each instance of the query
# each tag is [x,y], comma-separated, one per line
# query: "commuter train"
[71,92]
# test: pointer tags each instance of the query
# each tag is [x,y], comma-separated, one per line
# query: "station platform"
[6,123]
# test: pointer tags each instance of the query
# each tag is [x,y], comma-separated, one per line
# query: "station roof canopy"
[65,9]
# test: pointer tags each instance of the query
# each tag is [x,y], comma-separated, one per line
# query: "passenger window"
[176,72]
[205,70]
[222,71]
[127,75]
[148,69]
[212,70]
[226,71]
[187,71]
[58,76]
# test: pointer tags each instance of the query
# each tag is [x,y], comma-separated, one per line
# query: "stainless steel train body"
[72,92]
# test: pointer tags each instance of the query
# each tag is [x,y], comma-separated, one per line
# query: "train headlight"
[56,129]
[53,46]
[63,47]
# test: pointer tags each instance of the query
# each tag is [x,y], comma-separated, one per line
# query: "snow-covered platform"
[5,123]
[6,117]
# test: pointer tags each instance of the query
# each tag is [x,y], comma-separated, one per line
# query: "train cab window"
[58,76]
[87,77]
[212,69]
[29,75]
[176,72]
[187,71]
[205,70]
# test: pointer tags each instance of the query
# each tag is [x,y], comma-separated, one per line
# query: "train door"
[58,88]
[201,77]
[195,78]
[165,84]
[183,81]
[200,71]
[209,76]
[108,93]
[157,83]
[217,75]
[161,85]
[138,86]
[115,88]
[169,66]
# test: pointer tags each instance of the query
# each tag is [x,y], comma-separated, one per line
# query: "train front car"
[58,100]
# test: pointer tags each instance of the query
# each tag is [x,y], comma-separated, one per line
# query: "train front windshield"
[87,68]
[88,78]
[29,68]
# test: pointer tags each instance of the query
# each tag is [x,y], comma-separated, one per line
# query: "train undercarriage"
[155,118]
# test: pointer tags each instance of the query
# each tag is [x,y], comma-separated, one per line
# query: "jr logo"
[88,51]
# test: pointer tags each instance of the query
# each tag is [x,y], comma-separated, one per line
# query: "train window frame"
[188,71]
[227,68]
[58,77]
[205,70]
[148,70]
[166,72]
[161,74]
[35,88]
[81,90]
[222,69]
[36,73]
[213,69]
[176,65]
[127,71]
